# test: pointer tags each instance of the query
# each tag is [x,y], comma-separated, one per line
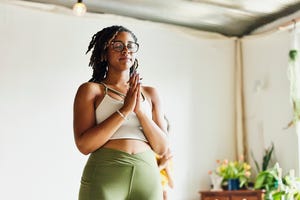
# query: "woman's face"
[121,52]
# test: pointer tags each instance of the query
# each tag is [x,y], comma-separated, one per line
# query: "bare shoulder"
[151,93]
[89,90]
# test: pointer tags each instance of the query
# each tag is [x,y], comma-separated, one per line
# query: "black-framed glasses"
[120,46]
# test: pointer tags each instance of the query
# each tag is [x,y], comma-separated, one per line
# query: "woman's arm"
[155,128]
[170,176]
[164,160]
[88,135]
[165,163]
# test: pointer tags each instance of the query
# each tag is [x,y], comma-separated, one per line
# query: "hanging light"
[79,8]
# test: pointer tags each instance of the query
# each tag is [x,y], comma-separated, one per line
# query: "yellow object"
[164,175]
[164,178]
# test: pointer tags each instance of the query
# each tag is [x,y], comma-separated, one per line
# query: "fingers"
[168,154]
[134,80]
[134,86]
[138,93]
[170,157]
[133,95]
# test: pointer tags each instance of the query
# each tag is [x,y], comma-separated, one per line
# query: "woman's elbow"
[82,148]
[84,152]
[161,150]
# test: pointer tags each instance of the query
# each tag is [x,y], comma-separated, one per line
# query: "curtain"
[240,131]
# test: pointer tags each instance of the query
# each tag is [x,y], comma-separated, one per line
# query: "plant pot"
[233,184]
[216,182]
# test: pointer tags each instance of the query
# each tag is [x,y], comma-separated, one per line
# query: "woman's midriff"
[127,145]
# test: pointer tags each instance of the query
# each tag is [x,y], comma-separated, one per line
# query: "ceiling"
[228,17]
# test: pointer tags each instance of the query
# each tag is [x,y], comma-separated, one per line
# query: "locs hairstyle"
[99,44]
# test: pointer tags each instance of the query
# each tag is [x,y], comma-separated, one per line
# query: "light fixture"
[79,8]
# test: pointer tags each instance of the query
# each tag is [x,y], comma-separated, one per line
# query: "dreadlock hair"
[99,43]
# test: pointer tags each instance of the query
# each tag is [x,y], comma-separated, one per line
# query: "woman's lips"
[127,59]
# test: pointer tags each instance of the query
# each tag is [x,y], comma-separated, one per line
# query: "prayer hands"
[133,97]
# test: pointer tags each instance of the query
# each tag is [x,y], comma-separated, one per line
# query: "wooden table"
[232,195]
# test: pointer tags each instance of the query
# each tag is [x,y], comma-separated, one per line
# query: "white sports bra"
[131,128]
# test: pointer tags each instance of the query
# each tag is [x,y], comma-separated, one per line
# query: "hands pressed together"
[132,101]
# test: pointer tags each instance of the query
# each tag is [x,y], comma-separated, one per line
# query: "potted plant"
[288,188]
[268,181]
[267,177]
[293,75]
[234,172]
[267,159]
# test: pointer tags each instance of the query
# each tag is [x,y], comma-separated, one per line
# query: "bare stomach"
[127,145]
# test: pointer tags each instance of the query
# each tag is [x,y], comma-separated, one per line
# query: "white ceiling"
[228,17]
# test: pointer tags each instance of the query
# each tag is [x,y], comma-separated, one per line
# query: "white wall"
[269,110]
[43,63]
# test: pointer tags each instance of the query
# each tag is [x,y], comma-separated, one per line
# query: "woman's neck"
[116,81]
[119,80]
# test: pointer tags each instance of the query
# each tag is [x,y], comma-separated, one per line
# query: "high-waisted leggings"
[116,175]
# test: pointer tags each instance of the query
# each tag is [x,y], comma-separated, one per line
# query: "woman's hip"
[113,174]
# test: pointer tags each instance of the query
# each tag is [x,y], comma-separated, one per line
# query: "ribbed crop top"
[131,128]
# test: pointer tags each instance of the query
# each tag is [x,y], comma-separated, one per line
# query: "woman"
[119,123]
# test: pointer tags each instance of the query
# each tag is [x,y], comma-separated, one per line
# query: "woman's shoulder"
[90,89]
[150,92]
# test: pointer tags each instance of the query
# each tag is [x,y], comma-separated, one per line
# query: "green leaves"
[293,54]
[267,180]
[243,181]
[293,76]
[296,107]
[267,157]
[234,170]
[276,186]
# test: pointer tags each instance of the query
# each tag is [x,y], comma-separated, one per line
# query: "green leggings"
[116,175]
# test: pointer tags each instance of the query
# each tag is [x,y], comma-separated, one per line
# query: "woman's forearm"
[95,137]
[154,134]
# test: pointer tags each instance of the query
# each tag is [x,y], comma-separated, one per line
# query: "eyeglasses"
[119,46]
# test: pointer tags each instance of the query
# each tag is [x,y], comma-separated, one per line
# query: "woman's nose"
[125,50]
